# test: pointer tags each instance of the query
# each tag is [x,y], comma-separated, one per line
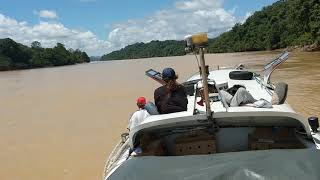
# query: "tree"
[61,56]
[36,45]
[146,50]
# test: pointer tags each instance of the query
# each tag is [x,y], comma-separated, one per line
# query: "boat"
[212,140]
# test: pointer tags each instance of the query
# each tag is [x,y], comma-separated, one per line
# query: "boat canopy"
[249,165]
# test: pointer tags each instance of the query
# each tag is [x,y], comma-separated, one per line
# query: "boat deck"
[256,89]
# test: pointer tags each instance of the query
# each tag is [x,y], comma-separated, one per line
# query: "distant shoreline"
[307,49]
[22,69]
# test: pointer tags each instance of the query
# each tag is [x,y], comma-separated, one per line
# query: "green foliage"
[147,50]
[18,53]
[36,45]
[4,63]
[285,23]
[17,56]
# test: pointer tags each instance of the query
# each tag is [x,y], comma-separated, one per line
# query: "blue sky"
[100,26]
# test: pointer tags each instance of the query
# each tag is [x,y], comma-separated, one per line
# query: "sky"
[102,26]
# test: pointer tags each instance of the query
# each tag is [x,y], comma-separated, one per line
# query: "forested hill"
[284,23]
[17,56]
[146,50]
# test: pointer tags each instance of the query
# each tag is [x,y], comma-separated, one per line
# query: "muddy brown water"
[61,123]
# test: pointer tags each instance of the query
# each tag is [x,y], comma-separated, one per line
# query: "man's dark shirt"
[170,102]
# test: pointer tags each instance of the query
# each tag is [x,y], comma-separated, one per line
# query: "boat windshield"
[205,140]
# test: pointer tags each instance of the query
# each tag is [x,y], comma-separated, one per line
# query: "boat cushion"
[280,93]
[240,75]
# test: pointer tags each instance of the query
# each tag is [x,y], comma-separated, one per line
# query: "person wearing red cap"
[139,115]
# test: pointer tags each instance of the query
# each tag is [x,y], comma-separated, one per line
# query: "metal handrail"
[262,84]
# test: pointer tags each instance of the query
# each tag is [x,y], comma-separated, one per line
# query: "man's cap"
[169,73]
[141,100]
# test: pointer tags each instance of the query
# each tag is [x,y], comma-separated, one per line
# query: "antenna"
[197,43]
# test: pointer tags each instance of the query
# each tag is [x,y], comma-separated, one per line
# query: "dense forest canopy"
[284,23]
[152,49]
[17,56]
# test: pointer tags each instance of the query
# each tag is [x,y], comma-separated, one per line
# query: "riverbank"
[304,48]
[297,49]
[26,68]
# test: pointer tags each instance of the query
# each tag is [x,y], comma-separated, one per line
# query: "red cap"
[141,100]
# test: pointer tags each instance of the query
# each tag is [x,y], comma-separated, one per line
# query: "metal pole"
[205,82]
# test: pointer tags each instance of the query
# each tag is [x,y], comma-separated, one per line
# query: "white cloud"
[50,33]
[187,17]
[199,4]
[48,14]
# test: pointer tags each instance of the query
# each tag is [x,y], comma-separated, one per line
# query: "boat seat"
[280,93]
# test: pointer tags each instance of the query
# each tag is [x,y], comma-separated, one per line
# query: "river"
[61,123]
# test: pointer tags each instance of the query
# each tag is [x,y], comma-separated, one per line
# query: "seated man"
[139,115]
[172,96]
[237,95]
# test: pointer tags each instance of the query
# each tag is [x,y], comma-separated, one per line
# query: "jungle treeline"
[147,50]
[14,55]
